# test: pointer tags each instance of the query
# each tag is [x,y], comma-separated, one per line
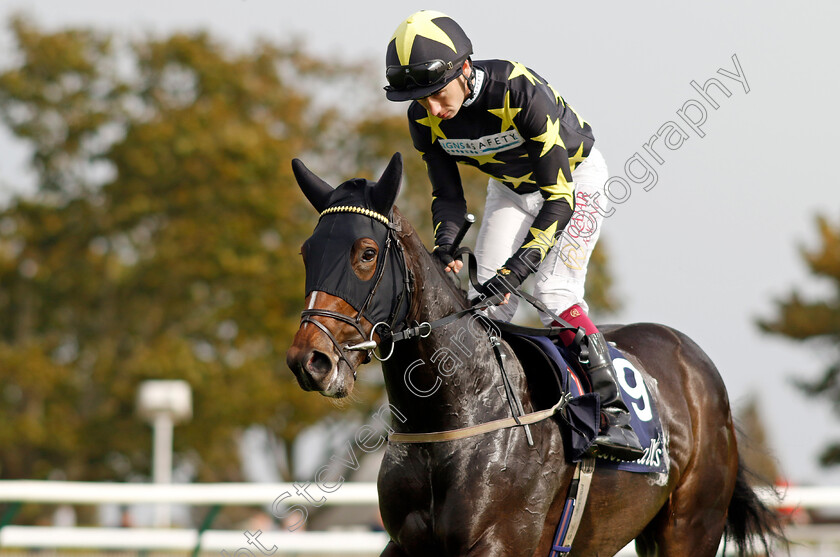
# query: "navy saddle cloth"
[538,355]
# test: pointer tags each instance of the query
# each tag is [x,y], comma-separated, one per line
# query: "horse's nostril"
[319,364]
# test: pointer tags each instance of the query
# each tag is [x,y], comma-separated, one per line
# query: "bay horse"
[494,494]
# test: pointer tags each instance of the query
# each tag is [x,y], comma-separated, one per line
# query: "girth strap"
[573,509]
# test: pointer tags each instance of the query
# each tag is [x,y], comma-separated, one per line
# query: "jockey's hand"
[501,283]
[442,254]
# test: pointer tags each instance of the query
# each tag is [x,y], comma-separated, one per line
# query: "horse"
[368,275]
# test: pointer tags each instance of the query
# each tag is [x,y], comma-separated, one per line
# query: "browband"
[360,210]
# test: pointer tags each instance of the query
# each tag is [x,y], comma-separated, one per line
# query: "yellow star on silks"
[543,240]
[558,191]
[561,189]
[519,181]
[506,113]
[519,69]
[485,159]
[581,121]
[551,136]
[577,157]
[421,24]
[562,103]
[434,123]
[557,96]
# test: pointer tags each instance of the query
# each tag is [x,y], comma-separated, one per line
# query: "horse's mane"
[411,241]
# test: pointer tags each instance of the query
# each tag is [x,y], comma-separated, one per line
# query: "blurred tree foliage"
[817,321]
[753,445]
[163,241]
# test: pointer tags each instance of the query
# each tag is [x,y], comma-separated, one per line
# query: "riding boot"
[616,437]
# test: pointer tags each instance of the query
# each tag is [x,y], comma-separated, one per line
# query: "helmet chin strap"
[471,79]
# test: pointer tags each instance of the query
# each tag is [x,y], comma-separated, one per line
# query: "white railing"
[324,543]
[302,543]
[94,493]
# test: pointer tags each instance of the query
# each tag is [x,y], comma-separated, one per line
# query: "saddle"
[550,376]
[581,416]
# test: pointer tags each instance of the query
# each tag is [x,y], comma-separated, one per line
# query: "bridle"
[393,247]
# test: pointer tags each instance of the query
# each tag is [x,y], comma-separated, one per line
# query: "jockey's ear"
[386,189]
[314,188]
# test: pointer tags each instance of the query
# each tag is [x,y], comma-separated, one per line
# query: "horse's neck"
[451,378]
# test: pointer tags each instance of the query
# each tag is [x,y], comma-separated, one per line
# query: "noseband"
[367,345]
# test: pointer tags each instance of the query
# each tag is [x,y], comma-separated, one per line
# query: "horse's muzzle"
[312,368]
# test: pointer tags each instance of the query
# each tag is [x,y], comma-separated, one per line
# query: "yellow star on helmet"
[543,239]
[520,180]
[577,157]
[551,136]
[419,24]
[519,69]
[506,113]
[434,123]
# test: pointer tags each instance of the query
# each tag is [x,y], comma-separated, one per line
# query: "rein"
[424,329]
[519,417]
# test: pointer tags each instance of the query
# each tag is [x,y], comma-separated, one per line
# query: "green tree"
[162,243]
[816,322]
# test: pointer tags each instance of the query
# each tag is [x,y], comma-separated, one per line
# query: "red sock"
[576,317]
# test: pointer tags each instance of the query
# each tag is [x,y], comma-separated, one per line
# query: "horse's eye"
[368,255]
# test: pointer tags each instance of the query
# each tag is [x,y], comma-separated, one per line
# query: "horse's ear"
[386,189]
[315,189]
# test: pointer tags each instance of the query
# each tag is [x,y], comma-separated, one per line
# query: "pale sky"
[717,239]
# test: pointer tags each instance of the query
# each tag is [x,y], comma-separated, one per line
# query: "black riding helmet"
[426,52]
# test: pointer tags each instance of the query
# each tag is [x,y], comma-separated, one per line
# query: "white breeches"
[560,279]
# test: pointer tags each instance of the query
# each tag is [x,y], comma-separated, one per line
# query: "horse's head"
[355,278]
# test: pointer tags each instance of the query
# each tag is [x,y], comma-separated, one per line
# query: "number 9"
[637,392]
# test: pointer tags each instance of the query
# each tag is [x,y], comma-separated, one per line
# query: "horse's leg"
[693,519]
[690,524]
[494,531]
[501,544]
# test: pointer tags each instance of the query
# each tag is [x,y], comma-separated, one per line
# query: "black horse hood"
[351,211]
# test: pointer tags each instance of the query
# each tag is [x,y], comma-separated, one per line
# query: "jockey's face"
[446,102]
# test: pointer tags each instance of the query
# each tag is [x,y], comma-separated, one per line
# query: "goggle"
[422,74]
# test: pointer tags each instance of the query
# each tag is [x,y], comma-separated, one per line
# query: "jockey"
[540,216]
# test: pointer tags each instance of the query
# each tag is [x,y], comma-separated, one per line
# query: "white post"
[163,403]
[162,463]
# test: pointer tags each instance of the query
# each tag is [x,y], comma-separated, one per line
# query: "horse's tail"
[750,523]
